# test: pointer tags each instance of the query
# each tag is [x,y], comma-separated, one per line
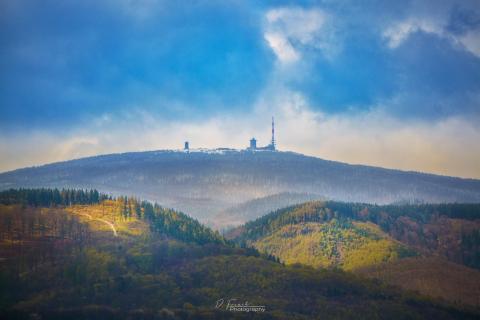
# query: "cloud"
[456,21]
[395,85]
[397,33]
[471,41]
[282,47]
[379,140]
[290,30]
[446,146]
[413,63]
[76,59]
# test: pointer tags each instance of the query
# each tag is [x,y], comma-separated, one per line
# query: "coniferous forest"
[61,259]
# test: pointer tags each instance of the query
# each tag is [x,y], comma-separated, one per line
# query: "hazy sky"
[387,83]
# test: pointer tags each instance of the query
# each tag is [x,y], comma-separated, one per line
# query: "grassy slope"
[349,245]
[140,275]
[109,210]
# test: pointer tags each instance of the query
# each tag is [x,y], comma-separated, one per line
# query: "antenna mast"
[273,134]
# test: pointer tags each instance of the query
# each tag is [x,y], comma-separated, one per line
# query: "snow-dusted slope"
[205,182]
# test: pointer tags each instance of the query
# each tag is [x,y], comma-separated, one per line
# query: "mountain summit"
[205,182]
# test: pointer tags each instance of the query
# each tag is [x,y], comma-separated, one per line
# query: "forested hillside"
[450,230]
[64,261]
[375,240]
[161,220]
[51,197]
[205,183]
[343,244]
[431,275]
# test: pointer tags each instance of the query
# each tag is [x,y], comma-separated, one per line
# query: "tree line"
[383,215]
[161,220]
[167,221]
[45,197]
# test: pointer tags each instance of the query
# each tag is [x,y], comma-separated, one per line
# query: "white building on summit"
[271,146]
[253,145]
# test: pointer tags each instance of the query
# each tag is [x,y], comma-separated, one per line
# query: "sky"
[394,84]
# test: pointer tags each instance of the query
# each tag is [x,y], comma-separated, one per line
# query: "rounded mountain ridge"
[203,182]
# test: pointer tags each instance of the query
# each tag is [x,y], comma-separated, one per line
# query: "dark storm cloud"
[66,62]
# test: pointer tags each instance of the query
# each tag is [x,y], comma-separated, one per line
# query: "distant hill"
[252,209]
[207,182]
[313,234]
[328,233]
[424,248]
[342,244]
